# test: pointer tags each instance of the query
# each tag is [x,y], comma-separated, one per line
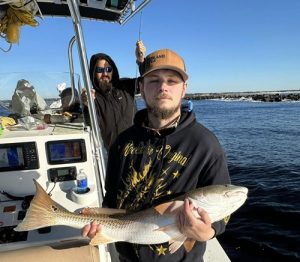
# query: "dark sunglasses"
[101,70]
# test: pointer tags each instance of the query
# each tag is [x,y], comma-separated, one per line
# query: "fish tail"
[41,213]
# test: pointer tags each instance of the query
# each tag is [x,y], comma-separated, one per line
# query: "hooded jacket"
[146,168]
[115,107]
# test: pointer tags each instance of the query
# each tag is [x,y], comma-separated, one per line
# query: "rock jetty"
[268,96]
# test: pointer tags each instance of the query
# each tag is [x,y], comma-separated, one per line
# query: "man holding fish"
[165,153]
[167,181]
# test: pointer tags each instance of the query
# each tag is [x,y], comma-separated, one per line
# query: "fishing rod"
[137,64]
[140,25]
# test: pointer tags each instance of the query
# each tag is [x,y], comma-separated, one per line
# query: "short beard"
[103,85]
[162,113]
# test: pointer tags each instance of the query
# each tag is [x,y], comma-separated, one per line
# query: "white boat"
[54,153]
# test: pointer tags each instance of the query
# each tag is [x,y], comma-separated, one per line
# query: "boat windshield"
[46,86]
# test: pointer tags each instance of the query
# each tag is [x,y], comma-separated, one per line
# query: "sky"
[227,45]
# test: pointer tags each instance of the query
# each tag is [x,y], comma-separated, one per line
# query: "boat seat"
[70,252]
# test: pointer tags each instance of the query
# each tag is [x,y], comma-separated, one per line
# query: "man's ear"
[141,86]
[184,90]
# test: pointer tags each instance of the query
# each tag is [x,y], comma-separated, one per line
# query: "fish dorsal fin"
[168,207]
[100,238]
[102,211]
[188,244]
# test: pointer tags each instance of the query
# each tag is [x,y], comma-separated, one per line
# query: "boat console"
[53,157]
[52,153]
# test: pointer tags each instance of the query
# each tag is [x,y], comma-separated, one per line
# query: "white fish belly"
[144,231]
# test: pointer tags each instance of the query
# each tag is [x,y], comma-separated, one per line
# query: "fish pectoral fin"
[170,229]
[176,243]
[188,244]
[177,239]
[100,238]
[169,207]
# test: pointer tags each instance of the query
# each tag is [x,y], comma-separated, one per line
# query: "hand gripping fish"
[151,226]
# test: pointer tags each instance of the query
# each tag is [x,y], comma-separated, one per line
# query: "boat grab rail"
[96,135]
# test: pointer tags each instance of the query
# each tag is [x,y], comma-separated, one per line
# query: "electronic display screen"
[66,151]
[11,157]
[62,172]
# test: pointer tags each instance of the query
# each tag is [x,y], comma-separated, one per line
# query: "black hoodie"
[116,107]
[146,168]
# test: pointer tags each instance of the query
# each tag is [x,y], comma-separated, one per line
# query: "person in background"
[113,96]
[163,155]
[70,110]
[70,102]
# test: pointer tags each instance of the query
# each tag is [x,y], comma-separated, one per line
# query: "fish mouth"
[236,193]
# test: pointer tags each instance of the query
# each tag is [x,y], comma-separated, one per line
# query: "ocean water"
[262,144]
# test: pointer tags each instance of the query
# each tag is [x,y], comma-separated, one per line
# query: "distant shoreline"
[262,96]
[268,96]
